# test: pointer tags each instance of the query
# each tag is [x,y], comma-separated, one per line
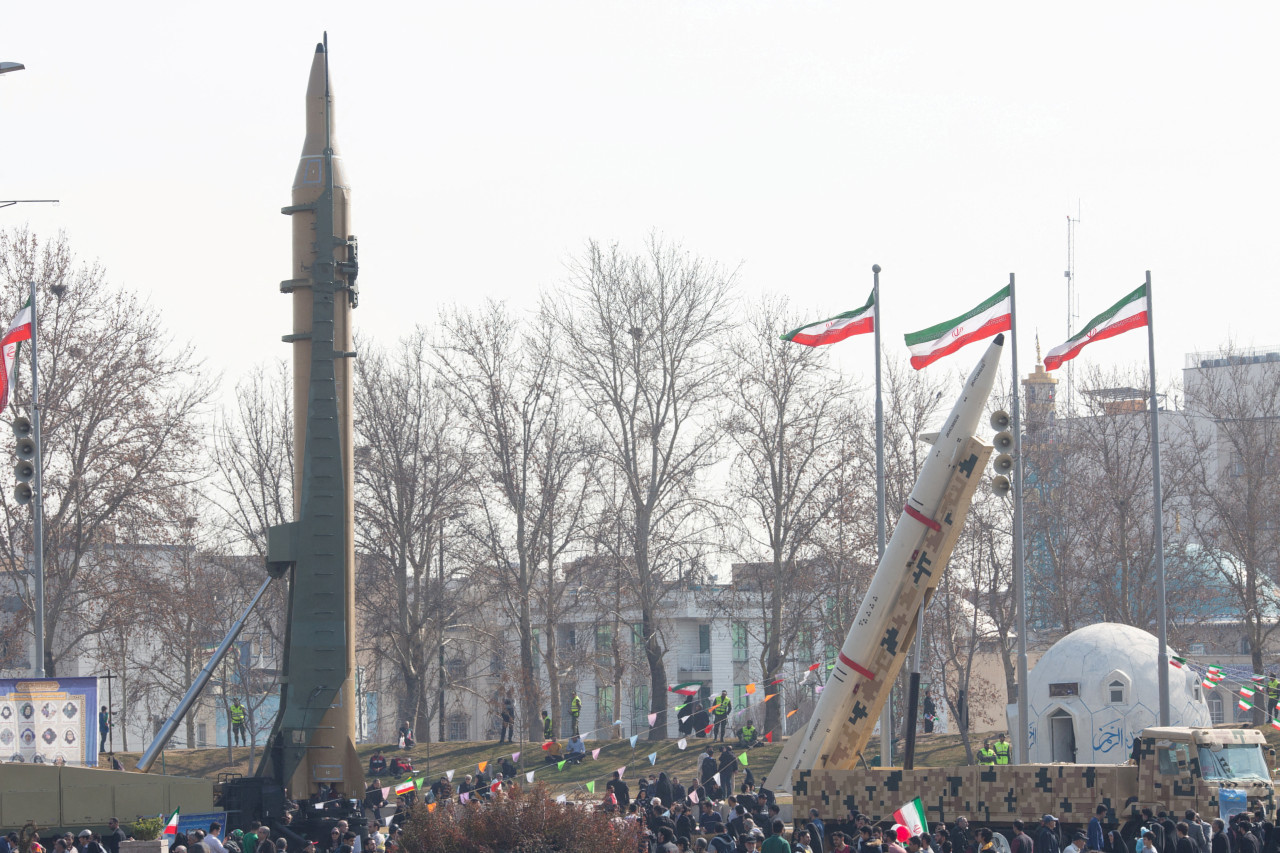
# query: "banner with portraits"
[49,721]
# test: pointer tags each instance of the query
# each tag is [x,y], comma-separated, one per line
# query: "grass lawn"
[431,760]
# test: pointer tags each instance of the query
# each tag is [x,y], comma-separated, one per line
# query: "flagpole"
[37,495]
[886,713]
[1019,568]
[1158,513]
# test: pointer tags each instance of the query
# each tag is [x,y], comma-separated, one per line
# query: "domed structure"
[1096,689]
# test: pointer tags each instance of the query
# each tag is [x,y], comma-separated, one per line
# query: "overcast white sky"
[801,142]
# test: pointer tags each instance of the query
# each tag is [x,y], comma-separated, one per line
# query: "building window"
[1115,693]
[1197,649]
[739,631]
[571,638]
[741,698]
[604,700]
[1066,688]
[640,707]
[604,639]
[202,734]
[457,669]
[637,634]
[1215,709]
[704,639]
[457,727]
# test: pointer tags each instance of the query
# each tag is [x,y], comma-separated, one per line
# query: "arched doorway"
[1062,736]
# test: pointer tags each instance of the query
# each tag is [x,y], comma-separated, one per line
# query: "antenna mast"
[1073,301]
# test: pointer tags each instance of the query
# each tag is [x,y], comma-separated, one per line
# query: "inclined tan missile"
[313,740]
[876,646]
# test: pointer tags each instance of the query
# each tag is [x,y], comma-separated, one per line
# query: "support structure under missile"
[878,641]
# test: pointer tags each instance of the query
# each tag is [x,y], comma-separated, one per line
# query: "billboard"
[49,721]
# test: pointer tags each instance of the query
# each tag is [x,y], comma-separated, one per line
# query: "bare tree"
[533,458]
[412,466]
[641,336]
[787,414]
[1236,484]
[119,414]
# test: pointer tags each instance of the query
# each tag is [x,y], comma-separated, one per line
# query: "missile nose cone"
[320,47]
[998,340]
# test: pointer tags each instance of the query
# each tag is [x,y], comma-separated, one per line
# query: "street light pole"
[37,494]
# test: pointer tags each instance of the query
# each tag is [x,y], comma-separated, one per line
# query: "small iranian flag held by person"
[986,321]
[912,817]
[832,330]
[687,688]
[1128,313]
[19,330]
[406,786]
[171,828]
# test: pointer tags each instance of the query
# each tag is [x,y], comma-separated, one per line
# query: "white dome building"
[1096,689]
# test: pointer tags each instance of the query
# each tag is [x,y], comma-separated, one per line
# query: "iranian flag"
[1128,313]
[171,828]
[912,817]
[1178,662]
[687,688]
[406,786]
[860,321]
[1244,706]
[987,320]
[19,331]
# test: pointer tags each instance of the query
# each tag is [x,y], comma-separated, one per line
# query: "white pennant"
[386,792]
[653,718]
[634,738]
[449,775]
[562,798]
[685,719]
[595,754]
[683,743]
[653,758]
[388,820]
[693,797]
[716,776]
[528,777]
[515,756]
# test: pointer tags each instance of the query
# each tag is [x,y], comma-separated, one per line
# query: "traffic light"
[1003,464]
[25,469]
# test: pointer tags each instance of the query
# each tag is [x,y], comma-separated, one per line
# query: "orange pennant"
[751,688]
[431,807]
[483,765]
[769,696]
[792,711]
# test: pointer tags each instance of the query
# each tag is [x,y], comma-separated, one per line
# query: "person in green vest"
[986,755]
[720,712]
[748,735]
[237,721]
[1002,749]
[1273,694]
[575,711]
[547,728]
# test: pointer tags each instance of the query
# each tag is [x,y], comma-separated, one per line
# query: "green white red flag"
[985,321]
[19,330]
[687,688]
[912,817]
[860,321]
[406,786]
[1129,313]
[171,828]
[1244,706]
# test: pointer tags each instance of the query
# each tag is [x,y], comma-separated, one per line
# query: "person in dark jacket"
[1218,843]
[1184,844]
[619,790]
[1047,837]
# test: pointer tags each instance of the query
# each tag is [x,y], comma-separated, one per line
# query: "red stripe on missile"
[865,673]
[921,517]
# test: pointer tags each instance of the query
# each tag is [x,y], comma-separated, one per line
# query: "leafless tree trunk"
[787,414]
[534,459]
[412,466]
[641,336]
[1234,417]
[119,420]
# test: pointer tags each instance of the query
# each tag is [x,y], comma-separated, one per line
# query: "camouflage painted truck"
[1177,769]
